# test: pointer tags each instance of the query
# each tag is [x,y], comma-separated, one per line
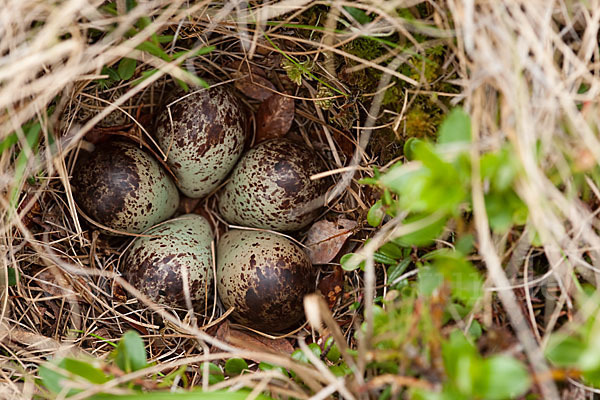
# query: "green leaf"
[51,379]
[200,52]
[505,209]
[409,147]
[434,186]
[215,374]
[8,142]
[422,394]
[591,377]
[299,355]
[426,153]
[499,215]
[396,271]
[350,263]
[465,244]
[339,371]
[456,127]
[126,68]
[130,354]
[315,349]
[110,8]
[112,74]
[461,361]
[368,181]
[130,4]
[196,80]
[589,360]
[333,354]
[465,281]
[162,39]
[182,85]
[54,380]
[475,330]
[154,49]
[12,276]
[169,379]
[565,350]
[85,370]
[235,366]
[500,168]
[429,279]
[383,259]
[376,214]
[145,75]
[502,377]
[143,23]
[32,142]
[391,250]
[422,237]
[264,366]
[359,15]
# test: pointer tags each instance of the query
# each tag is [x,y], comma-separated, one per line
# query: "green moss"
[365,48]
[421,123]
[314,16]
[393,95]
[428,66]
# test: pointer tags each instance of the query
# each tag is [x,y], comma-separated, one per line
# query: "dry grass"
[520,65]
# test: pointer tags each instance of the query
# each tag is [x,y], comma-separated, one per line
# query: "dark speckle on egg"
[203,135]
[265,277]
[154,263]
[122,187]
[271,185]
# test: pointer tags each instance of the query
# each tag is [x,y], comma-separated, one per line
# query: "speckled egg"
[155,265]
[122,187]
[270,187]
[203,136]
[265,277]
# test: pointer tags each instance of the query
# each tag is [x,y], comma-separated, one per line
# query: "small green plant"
[68,376]
[470,376]
[429,190]
[434,186]
[576,349]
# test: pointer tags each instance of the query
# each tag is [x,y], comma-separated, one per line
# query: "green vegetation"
[419,314]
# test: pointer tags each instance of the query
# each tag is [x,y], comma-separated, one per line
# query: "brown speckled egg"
[265,277]
[203,136]
[122,187]
[154,264]
[270,187]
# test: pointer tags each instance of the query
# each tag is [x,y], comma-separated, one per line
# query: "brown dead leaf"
[263,47]
[119,294]
[30,340]
[252,341]
[53,281]
[245,68]
[254,86]
[332,285]
[344,142]
[34,210]
[97,136]
[141,329]
[326,238]
[274,117]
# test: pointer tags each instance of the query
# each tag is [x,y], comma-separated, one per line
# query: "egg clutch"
[263,275]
